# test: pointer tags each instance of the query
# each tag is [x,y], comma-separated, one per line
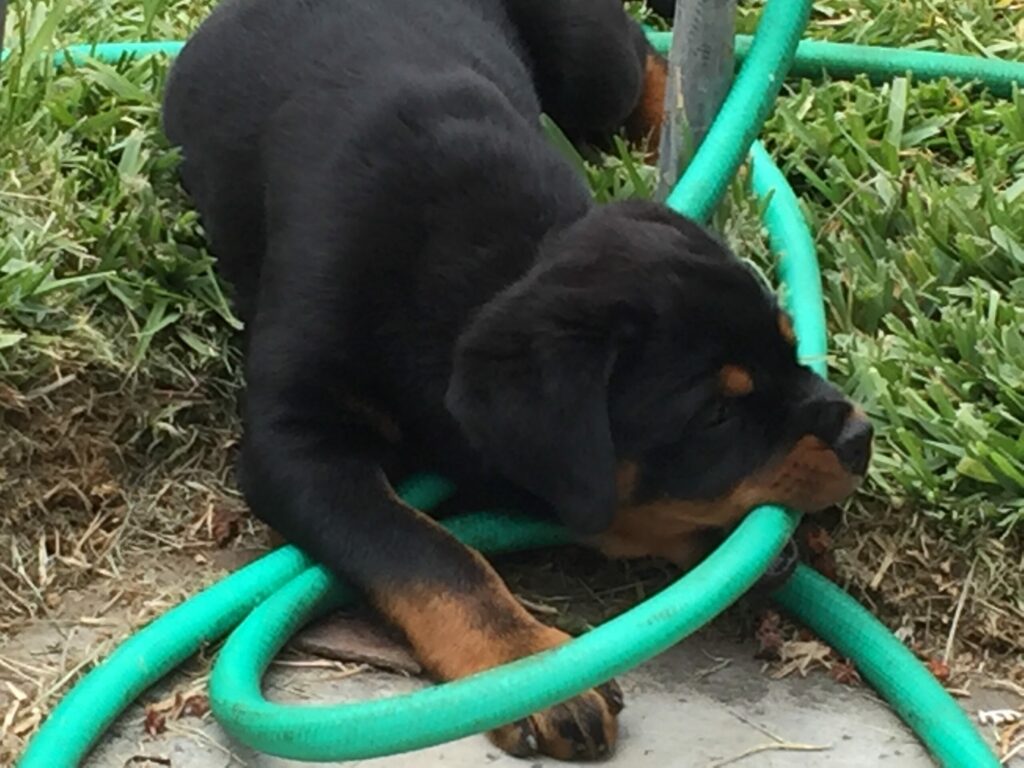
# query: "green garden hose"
[743,112]
[451,710]
[97,699]
[814,58]
[791,240]
[95,702]
[886,663]
[81,53]
[845,61]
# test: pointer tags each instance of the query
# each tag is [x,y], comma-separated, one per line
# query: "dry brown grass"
[97,472]
[118,499]
[963,610]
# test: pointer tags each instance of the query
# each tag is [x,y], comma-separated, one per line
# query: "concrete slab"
[704,704]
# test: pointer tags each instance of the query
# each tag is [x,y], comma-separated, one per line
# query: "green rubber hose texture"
[791,241]
[444,712]
[812,60]
[110,52]
[98,698]
[843,61]
[891,669]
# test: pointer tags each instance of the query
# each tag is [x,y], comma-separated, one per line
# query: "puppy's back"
[251,55]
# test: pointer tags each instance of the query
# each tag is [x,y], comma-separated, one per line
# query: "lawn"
[117,365]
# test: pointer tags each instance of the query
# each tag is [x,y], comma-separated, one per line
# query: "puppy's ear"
[530,390]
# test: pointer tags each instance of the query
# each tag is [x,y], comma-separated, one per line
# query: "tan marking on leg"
[457,634]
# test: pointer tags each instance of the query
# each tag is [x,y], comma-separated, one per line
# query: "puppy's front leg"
[309,471]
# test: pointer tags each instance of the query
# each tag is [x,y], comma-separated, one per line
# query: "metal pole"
[701,64]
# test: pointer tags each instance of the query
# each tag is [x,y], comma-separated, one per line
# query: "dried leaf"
[769,637]
[155,723]
[196,705]
[825,564]
[225,524]
[844,672]
[818,539]
[938,668]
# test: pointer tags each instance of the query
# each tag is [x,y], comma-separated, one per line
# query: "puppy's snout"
[853,445]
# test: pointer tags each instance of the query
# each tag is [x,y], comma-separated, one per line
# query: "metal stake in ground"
[701,67]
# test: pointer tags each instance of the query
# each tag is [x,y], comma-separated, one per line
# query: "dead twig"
[956,614]
[708,671]
[773,746]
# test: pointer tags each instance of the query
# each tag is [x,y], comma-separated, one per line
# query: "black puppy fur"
[427,284]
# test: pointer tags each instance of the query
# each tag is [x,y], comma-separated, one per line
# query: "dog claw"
[582,728]
[613,695]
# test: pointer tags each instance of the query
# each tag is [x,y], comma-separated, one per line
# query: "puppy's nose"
[853,446]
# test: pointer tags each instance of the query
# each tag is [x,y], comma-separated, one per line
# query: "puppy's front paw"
[582,728]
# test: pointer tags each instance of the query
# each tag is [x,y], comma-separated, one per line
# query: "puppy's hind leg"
[593,68]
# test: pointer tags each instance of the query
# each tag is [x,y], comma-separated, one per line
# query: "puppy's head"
[641,367]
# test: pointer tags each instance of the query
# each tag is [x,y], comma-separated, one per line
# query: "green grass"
[915,192]
[916,196]
[101,259]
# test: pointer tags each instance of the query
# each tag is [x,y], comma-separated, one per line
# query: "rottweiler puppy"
[427,284]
